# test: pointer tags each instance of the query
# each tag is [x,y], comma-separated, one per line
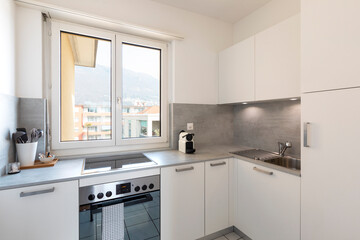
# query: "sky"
[137,59]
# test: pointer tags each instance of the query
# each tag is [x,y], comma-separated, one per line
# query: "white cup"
[26,153]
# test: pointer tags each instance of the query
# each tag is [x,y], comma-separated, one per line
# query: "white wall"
[29,82]
[7,47]
[270,14]
[195,57]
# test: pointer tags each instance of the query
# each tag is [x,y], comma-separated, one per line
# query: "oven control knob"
[100,195]
[151,186]
[144,187]
[108,193]
[91,197]
[137,188]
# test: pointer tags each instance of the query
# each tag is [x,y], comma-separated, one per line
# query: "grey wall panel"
[263,125]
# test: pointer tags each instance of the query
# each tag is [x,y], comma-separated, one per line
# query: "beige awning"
[84,50]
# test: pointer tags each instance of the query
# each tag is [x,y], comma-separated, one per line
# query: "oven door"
[141,217]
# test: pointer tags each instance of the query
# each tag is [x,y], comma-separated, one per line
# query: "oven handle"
[128,201]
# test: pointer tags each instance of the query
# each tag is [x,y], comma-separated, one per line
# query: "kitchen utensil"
[16,135]
[33,135]
[24,137]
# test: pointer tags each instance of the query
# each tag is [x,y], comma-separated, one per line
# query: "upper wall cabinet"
[277,61]
[263,67]
[236,73]
[330,44]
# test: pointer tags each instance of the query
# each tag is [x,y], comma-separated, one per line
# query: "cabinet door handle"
[184,169]
[306,125]
[263,171]
[27,194]
[217,164]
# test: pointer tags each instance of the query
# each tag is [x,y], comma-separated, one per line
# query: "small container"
[26,153]
[14,168]
[44,159]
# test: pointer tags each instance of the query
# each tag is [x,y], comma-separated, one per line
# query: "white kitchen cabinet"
[268,206]
[330,49]
[277,61]
[182,202]
[236,73]
[216,195]
[40,212]
[330,194]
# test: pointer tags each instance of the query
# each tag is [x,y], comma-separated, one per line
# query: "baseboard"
[224,232]
[218,234]
[241,234]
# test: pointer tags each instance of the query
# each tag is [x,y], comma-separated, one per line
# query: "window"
[109,89]
[141,67]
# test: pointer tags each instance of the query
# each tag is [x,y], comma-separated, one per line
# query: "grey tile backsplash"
[32,114]
[213,124]
[257,125]
[19,112]
[263,125]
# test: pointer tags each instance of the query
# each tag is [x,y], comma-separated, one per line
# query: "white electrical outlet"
[190,126]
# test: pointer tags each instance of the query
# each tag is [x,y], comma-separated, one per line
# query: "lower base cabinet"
[216,195]
[268,203]
[182,202]
[40,212]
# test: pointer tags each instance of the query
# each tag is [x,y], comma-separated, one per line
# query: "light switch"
[190,126]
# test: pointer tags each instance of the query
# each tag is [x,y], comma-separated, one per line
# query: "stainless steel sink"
[288,162]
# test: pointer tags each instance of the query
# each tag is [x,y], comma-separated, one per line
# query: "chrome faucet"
[283,147]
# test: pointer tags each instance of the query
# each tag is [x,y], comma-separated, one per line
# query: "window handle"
[118,100]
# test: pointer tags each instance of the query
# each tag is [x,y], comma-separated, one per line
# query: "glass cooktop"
[129,161]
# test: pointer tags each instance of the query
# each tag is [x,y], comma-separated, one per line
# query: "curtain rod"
[60,13]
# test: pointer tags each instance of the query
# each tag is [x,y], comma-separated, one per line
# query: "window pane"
[141,92]
[85,88]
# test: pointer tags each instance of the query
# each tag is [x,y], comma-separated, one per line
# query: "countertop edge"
[269,165]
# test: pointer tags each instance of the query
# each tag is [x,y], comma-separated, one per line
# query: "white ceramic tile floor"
[229,236]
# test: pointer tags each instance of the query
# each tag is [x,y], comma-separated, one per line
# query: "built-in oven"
[127,210]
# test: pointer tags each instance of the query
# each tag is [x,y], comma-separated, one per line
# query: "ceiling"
[227,10]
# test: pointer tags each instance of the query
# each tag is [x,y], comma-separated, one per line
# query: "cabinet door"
[277,61]
[236,73]
[330,166]
[268,205]
[216,195]
[330,49]
[40,212]
[182,202]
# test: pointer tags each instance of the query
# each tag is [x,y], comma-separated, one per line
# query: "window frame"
[116,143]
[123,38]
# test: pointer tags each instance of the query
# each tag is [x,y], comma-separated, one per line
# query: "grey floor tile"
[221,238]
[132,208]
[137,217]
[157,224]
[232,236]
[87,229]
[142,231]
[154,238]
[84,216]
[154,212]
[153,203]
[89,238]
